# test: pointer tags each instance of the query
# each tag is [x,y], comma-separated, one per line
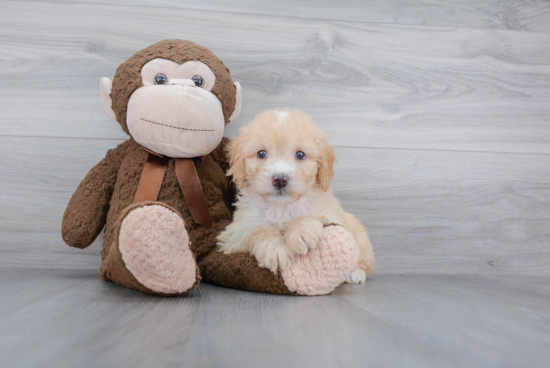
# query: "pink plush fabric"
[155,248]
[324,268]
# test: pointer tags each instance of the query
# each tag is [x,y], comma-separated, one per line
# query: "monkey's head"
[173,98]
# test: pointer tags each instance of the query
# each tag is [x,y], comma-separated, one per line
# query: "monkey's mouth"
[180,128]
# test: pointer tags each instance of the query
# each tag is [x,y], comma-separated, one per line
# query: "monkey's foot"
[325,267]
[153,251]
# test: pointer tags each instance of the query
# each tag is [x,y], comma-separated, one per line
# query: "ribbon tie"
[153,175]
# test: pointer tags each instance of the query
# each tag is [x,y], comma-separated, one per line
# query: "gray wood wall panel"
[443,134]
[367,85]
[428,212]
[503,14]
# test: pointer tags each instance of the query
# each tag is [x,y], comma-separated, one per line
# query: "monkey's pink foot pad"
[325,267]
[155,248]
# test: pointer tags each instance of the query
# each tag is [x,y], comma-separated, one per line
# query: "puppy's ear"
[236,162]
[326,165]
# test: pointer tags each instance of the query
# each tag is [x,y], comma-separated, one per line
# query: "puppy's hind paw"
[357,277]
[273,256]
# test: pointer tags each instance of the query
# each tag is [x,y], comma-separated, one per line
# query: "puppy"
[283,165]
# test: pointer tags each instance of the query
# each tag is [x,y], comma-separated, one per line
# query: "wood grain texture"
[70,318]
[427,212]
[531,16]
[368,85]
[443,133]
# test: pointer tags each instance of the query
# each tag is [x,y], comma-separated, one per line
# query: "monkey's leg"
[241,271]
[326,266]
[151,251]
[316,273]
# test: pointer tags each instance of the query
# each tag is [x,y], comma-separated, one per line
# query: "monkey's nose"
[182,82]
[279,181]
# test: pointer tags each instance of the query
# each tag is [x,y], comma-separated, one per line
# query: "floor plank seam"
[335,145]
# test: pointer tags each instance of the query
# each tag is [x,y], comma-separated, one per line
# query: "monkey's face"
[174,113]
[174,109]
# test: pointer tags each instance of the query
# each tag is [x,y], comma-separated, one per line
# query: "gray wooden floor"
[440,114]
[70,318]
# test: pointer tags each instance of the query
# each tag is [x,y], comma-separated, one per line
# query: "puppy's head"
[281,155]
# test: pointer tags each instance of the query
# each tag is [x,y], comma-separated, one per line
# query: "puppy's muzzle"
[279,181]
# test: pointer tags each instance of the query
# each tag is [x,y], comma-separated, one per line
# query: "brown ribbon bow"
[153,175]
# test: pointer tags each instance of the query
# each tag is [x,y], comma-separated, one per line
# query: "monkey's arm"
[221,157]
[87,210]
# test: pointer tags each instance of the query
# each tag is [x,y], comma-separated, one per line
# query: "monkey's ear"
[238,99]
[105,85]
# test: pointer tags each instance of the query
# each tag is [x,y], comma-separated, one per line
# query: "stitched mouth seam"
[175,127]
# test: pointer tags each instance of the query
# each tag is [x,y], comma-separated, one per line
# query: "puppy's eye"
[198,80]
[262,154]
[300,155]
[160,78]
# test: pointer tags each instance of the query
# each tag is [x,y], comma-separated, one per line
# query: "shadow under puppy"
[283,166]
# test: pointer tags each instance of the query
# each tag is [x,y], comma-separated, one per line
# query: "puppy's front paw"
[304,235]
[272,255]
[357,277]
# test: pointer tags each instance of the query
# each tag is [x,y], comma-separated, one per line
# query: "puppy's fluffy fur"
[284,198]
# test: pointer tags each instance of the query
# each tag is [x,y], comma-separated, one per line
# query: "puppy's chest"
[280,216]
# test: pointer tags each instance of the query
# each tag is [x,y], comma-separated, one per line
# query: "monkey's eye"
[198,80]
[160,79]
[300,155]
[262,154]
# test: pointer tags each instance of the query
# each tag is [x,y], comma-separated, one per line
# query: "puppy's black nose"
[279,181]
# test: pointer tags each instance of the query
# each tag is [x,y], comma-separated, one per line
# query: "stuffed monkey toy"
[163,196]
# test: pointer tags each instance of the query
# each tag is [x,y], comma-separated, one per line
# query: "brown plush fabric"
[87,211]
[215,185]
[107,193]
[241,271]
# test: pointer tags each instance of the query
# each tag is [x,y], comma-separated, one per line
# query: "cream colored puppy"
[283,165]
